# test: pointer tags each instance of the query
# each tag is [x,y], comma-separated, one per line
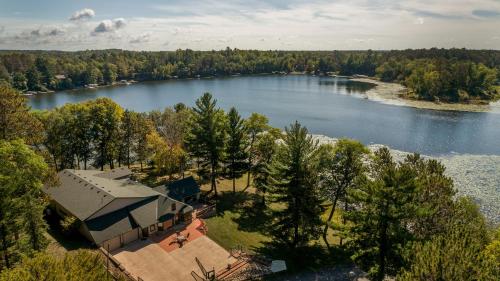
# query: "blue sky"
[250,24]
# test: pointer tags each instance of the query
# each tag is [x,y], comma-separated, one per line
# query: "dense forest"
[396,218]
[449,75]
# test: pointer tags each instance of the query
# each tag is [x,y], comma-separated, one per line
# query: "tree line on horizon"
[397,218]
[450,75]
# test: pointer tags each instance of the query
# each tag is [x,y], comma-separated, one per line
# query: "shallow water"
[475,176]
[329,106]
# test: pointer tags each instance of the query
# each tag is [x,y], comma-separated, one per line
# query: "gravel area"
[337,273]
[477,176]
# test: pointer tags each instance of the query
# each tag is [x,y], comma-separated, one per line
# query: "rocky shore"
[390,93]
[476,176]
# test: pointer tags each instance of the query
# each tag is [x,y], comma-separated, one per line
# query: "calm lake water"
[327,106]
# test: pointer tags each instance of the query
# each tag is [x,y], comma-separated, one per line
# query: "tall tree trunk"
[3,233]
[233,176]
[295,223]
[213,179]
[382,252]
[343,218]
[55,163]
[250,161]
[330,216]
[128,157]
[85,163]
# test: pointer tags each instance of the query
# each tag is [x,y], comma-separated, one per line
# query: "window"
[152,228]
[173,206]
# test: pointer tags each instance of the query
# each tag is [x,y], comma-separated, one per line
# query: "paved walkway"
[148,260]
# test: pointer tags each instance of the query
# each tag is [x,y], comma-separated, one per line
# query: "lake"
[325,105]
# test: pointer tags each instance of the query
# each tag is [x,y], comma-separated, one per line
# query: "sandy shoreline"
[389,93]
[476,176]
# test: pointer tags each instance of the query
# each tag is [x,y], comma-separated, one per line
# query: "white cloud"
[109,25]
[56,31]
[143,38]
[83,14]
[419,21]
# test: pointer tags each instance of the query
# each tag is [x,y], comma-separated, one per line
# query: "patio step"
[225,273]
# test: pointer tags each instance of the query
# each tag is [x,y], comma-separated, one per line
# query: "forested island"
[441,75]
[315,205]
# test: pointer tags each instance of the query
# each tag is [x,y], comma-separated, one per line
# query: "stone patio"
[156,259]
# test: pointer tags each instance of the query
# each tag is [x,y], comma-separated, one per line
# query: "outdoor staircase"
[227,273]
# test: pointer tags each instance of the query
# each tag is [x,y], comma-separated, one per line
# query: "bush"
[70,225]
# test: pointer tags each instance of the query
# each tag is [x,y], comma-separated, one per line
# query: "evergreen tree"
[207,137]
[33,79]
[459,253]
[294,185]
[435,196]
[236,145]
[384,204]
[265,148]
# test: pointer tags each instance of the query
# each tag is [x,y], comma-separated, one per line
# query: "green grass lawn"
[224,230]
[242,220]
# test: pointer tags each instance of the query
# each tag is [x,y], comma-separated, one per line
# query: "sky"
[249,24]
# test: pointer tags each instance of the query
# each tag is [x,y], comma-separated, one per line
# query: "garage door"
[112,243]
[131,236]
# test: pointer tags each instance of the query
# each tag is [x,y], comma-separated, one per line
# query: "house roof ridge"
[88,181]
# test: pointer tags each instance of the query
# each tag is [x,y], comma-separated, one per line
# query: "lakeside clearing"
[391,93]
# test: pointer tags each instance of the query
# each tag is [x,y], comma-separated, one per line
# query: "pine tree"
[236,145]
[265,148]
[294,185]
[459,253]
[383,204]
[207,137]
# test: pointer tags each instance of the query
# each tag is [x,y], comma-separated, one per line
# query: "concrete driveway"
[147,260]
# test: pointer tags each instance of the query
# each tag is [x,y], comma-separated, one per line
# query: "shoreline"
[384,92]
[475,176]
[389,93]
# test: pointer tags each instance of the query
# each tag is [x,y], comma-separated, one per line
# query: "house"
[113,209]
[185,190]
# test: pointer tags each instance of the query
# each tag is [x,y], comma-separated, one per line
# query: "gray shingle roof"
[118,173]
[145,215]
[179,189]
[165,208]
[110,225]
[84,192]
